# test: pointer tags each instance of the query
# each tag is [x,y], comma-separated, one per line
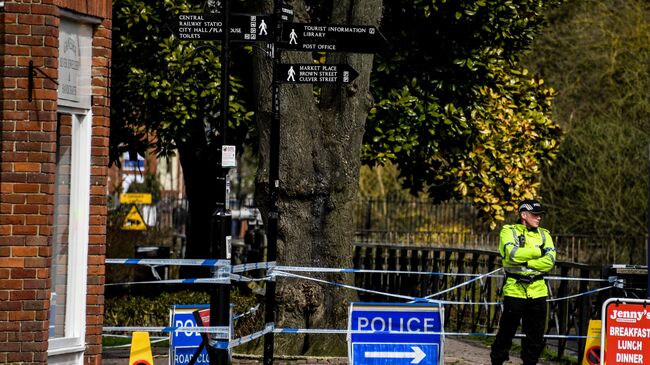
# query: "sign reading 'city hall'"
[209,27]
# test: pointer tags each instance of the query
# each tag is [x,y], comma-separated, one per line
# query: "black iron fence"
[472,309]
[421,223]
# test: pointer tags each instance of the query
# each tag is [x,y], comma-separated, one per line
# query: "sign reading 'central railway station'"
[209,27]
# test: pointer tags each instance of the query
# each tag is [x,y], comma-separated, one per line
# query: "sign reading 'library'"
[331,38]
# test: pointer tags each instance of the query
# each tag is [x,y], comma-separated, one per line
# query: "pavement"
[456,352]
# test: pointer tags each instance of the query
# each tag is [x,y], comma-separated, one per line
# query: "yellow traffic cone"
[140,349]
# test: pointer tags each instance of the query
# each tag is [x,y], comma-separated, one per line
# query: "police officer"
[527,254]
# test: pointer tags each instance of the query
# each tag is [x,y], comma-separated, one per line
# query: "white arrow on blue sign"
[395,333]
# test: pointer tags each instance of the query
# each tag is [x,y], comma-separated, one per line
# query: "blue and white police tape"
[154,339]
[573,279]
[463,284]
[247,313]
[290,275]
[223,345]
[253,266]
[244,339]
[367,271]
[222,280]
[273,265]
[444,333]
[174,262]
[276,272]
[217,331]
[242,278]
[177,281]
[425,273]
[579,294]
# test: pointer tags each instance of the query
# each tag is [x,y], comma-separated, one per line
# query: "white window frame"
[78,226]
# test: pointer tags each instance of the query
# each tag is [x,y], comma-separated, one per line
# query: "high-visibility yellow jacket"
[526,256]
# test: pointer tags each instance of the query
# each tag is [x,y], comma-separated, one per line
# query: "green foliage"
[455,110]
[154,311]
[164,91]
[151,184]
[597,53]
[145,311]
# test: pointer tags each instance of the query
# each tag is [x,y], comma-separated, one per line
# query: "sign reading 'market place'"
[311,73]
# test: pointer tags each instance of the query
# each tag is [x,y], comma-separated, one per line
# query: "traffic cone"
[140,349]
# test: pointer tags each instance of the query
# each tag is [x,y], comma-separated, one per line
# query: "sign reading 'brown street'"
[311,73]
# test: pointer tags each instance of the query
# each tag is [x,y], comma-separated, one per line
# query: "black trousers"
[532,315]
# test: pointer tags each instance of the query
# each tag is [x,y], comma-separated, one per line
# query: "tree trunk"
[319,167]
[200,176]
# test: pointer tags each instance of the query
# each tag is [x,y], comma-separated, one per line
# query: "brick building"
[53,178]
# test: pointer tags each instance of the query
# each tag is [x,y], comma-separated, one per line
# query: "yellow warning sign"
[140,349]
[592,345]
[135,198]
[133,221]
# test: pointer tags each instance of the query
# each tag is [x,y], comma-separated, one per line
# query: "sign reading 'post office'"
[331,38]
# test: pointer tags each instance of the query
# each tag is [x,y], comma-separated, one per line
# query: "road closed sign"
[626,337]
[184,345]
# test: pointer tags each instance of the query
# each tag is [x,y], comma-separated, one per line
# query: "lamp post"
[220,239]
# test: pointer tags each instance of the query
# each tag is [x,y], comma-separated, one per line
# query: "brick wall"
[29,32]
[98,188]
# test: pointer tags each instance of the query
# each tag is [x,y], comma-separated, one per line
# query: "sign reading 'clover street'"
[311,73]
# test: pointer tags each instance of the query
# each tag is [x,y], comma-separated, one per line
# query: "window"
[71,191]
[70,233]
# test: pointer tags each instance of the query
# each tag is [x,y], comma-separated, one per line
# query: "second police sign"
[397,333]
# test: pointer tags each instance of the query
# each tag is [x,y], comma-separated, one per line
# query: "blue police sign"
[395,333]
[185,344]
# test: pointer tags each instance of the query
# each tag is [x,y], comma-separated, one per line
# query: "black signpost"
[286,13]
[281,33]
[209,27]
[331,38]
[311,73]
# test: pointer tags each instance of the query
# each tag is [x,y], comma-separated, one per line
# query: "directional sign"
[311,73]
[331,38]
[135,198]
[133,221]
[209,27]
[286,12]
[397,334]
